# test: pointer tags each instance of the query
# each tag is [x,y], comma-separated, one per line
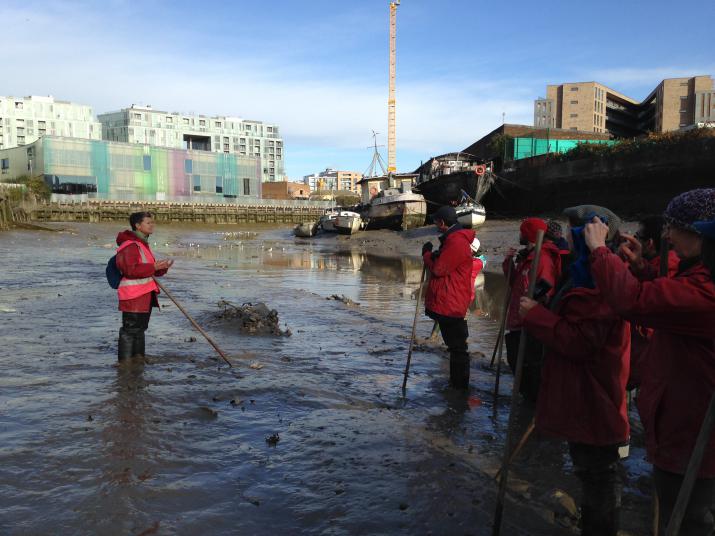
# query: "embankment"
[633,183]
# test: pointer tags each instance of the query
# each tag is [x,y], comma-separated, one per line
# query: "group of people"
[612,312]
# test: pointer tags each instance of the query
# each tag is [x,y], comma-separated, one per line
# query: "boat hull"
[447,189]
[472,217]
[348,224]
[398,215]
[305,230]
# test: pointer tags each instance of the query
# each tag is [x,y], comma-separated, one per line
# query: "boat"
[396,208]
[348,222]
[306,229]
[471,214]
[327,220]
[445,179]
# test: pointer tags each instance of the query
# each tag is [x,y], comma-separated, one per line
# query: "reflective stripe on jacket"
[130,288]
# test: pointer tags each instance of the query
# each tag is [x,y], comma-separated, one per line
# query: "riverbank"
[179,446]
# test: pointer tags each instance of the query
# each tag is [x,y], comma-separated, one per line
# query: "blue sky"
[319,68]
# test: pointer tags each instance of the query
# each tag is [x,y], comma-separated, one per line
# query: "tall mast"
[391,167]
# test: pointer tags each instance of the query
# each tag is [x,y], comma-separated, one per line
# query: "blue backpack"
[114,276]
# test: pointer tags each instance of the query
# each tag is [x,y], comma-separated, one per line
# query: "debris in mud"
[256,365]
[255,319]
[404,506]
[344,299]
[273,439]
[190,339]
[207,413]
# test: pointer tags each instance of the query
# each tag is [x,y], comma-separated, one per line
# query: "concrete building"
[332,179]
[122,171]
[25,119]
[285,190]
[228,135]
[676,103]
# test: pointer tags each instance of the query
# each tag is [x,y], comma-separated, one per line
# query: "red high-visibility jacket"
[582,397]
[450,286]
[679,362]
[130,263]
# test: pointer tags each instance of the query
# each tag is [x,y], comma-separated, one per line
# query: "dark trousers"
[531,373]
[598,469]
[455,334]
[131,334]
[698,519]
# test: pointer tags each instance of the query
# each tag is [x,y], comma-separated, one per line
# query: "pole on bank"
[414,327]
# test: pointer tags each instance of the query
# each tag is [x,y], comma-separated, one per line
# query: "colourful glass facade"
[142,172]
[528,147]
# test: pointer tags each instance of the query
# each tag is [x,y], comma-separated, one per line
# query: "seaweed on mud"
[255,319]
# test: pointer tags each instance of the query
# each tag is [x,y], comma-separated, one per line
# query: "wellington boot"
[459,372]
[138,346]
[124,345]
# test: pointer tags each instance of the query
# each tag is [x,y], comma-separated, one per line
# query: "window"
[573,89]
[574,102]
[147,162]
[219,185]
[217,124]
[5,163]
[573,128]
[225,140]
[573,115]
[137,116]
[18,105]
[169,119]
[21,140]
[246,186]
[185,120]
[188,166]
[202,122]
[196,179]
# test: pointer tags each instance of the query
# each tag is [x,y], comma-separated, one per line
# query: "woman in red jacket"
[137,290]
[679,361]
[582,397]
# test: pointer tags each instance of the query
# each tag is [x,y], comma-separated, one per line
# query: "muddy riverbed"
[307,434]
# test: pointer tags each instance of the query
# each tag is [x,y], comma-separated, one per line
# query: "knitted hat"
[583,214]
[687,208]
[447,214]
[475,245]
[705,228]
[529,228]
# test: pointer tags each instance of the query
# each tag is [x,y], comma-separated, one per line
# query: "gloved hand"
[428,246]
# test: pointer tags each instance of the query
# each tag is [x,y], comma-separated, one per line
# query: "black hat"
[447,214]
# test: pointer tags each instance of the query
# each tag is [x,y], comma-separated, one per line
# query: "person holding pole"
[449,291]
[137,290]
[679,380]
[547,273]
[582,397]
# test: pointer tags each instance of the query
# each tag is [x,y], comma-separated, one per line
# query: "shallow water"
[179,446]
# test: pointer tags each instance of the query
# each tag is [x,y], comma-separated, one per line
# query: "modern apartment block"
[676,103]
[229,135]
[332,179]
[101,169]
[25,119]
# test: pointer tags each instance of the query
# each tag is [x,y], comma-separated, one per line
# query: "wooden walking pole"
[193,322]
[519,446]
[664,256]
[414,327]
[499,511]
[505,312]
[691,473]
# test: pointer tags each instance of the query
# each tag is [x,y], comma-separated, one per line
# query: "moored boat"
[327,220]
[348,222]
[471,214]
[306,229]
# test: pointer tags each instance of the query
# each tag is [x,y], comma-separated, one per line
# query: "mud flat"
[307,434]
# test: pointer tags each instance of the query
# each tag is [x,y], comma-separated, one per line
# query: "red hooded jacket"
[679,372]
[549,270]
[582,397]
[130,264]
[450,285]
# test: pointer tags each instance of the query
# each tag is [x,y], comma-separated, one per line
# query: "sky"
[319,69]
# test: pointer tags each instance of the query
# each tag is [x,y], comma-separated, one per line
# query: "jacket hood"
[467,235]
[123,236]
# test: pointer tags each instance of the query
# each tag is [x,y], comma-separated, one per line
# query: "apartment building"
[23,120]
[676,103]
[218,134]
[332,179]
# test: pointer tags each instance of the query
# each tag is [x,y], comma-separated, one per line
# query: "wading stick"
[414,327]
[507,300]
[505,311]
[498,513]
[519,446]
[691,473]
[193,322]
[664,255]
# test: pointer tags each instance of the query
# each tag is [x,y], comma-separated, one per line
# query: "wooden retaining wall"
[98,211]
